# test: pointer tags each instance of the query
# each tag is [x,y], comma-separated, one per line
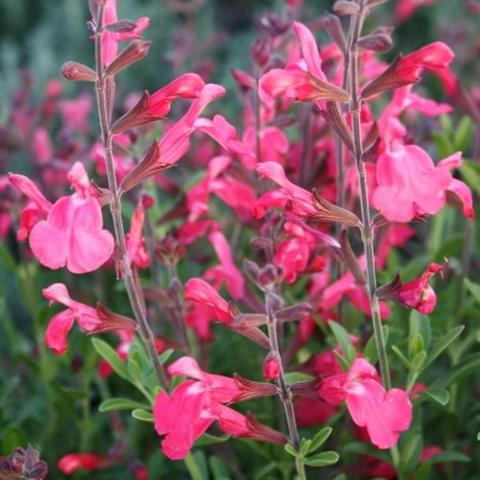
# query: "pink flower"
[88,319]
[303,81]
[199,291]
[406,8]
[292,255]
[195,404]
[72,234]
[36,209]
[298,200]
[410,185]
[73,462]
[384,414]
[227,271]
[110,40]
[436,56]
[418,294]
[157,105]
[176,141]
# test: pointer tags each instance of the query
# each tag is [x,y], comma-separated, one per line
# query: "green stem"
[367,233]
[103,103]
[284,392]
[192,467]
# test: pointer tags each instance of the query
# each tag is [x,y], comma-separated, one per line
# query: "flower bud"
[271,366]
[345,7]
[378,41]
[350,260]
[295,312]
[269,275]
[335,119]
[122,26]
[137,50]
[274,24]
[147,201]
[78,72]
[328,212]
[260,51]
[331,23]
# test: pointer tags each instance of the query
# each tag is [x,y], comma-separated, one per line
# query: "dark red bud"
[122,26]
[345,7]
[78,72]
[137,50]
[260,51]
[271,366]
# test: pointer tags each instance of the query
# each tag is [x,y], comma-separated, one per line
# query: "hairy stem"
[285,394]
[367,233]
[123,262]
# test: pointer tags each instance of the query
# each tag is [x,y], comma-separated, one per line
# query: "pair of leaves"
[310,446]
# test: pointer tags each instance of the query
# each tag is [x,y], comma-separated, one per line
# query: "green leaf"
[370,350]
[134,369]
[297,377]
[264,471]
[164,356]
[443,344]
[439,396]
[401,356]
[411,453]
[470,171]
[320,438]
[207,439]
[463,134]
[218,469]
[112,404]
[418,361]
[467,366]
[343,339]
[304,447]
[322,459]
[289,448]
[419,325]
[450,456]
[111,357]
[143,415]
[473,288]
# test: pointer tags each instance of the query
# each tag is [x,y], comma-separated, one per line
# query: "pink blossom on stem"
[195,404]
[88,319]
[418,294]
[199,291]
[298,200]
[384,414]
[72,233]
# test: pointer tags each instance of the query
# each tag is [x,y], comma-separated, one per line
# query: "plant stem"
[285,394]
[123,262]
[192,467]
[367,233]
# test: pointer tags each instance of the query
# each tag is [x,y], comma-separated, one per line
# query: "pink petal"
[30,190]
[90,246]
[58,330]
[58,293]
[49,239]
[309,50]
